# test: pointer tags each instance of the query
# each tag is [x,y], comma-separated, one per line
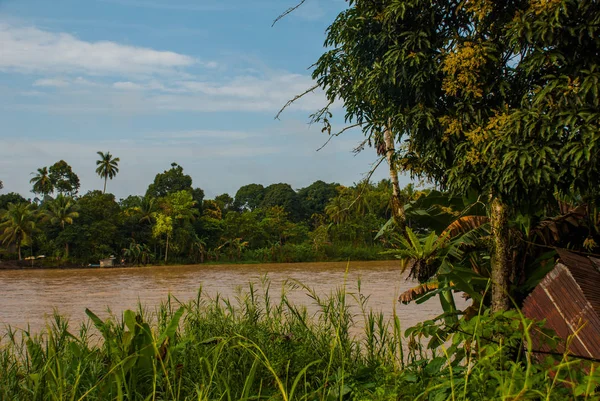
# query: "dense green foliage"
[173,223]
[64,180]
[497,97]
[494,97]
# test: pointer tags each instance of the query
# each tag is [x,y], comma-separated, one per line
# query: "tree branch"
[289,102]
[338,134]
[286,12]
[366,181]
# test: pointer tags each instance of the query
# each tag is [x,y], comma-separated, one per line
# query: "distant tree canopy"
[226,203]
[96,232]
[11,197]
[249,196]
[316,196]
[283,195]
[198,195]
[63,178]
[59,177]
[173,222]
[107,167]
[42,184]
[170,181]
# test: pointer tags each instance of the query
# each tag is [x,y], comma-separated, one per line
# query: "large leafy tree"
[18,224]
[249,196]
[174,220]
[63,178]
[137,218]
[11,197]
[226,203]
[146,209]
[108,167]
[316,196]
[42,183]
[496,97]
[94,234]
[283,195]
[170,181]
[62,211]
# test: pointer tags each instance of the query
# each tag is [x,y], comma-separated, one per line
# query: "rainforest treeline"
[173,222]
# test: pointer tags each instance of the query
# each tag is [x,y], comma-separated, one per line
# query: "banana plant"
[455,260]
[134,353]
[423,257]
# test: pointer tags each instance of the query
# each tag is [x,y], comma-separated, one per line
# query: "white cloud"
[108,77]
[127,85]
[33,93]
[31,50]
[242,93]
[201,134]
[52,82]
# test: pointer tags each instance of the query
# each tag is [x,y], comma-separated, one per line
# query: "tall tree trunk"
[62,224]
[19,249]
[500,256]
[167,249]
[105,178]
[397,204]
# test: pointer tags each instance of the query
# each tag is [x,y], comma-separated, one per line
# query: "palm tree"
[338,209]
[17,224]
[108,167]
[62,210]
[42,184]
[147,209]
[198,248]
[133,252]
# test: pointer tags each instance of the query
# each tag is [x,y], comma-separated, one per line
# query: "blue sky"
[197,82]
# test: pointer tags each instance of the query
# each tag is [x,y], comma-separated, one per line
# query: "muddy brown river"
[30,296]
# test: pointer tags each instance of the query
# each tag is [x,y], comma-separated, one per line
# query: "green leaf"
[173,325]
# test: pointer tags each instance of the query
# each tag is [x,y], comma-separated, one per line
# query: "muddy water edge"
[29,297]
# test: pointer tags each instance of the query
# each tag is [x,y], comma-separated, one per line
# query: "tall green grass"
[259,346]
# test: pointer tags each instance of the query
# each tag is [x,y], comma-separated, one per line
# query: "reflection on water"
[29,296]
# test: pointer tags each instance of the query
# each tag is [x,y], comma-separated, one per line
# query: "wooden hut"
[108,262]
[569,299]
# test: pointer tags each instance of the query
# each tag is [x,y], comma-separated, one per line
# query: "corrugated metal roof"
[569,299]
[586,272]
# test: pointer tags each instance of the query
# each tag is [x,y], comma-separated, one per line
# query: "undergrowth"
[253,347]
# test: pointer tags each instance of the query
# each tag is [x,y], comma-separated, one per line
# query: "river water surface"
[30,296]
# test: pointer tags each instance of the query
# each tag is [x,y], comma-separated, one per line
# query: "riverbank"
[37,265]
[339,254]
